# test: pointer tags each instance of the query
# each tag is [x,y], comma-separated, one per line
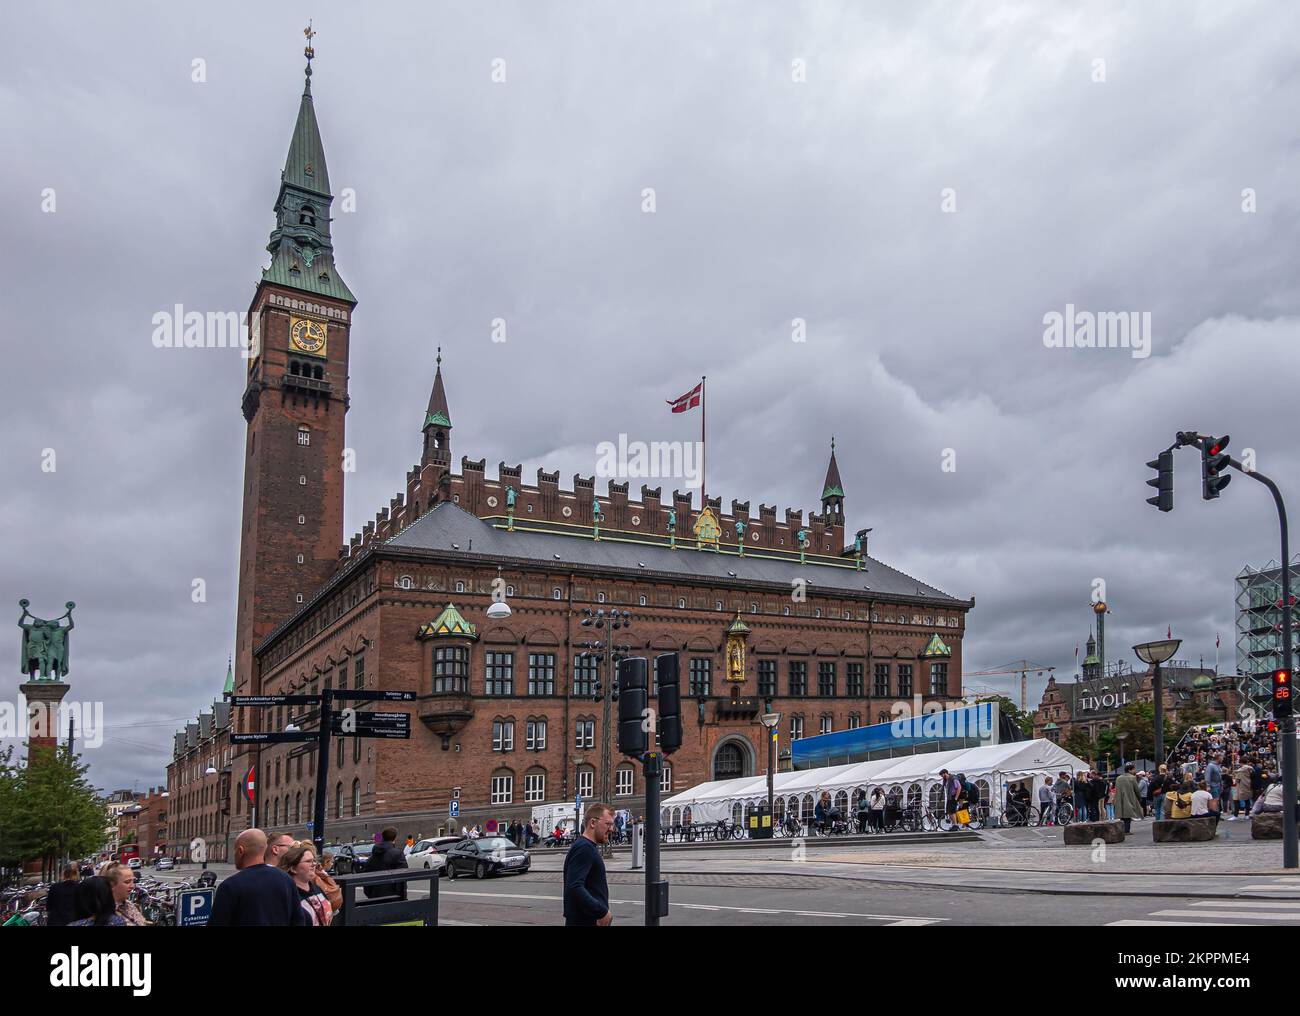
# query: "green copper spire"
[229,689]
[834,486]
[302,252]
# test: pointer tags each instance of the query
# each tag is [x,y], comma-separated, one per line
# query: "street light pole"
[605,651]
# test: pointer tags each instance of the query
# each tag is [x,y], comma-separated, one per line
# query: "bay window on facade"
[450,670]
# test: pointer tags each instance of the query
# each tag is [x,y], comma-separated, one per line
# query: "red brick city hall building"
[757,607]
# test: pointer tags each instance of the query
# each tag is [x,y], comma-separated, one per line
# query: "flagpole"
[704,472]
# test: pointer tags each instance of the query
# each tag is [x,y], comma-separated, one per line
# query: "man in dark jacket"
[60,901]
[256,895]
[387,856]
[586,891]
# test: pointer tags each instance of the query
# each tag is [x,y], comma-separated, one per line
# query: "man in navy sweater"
[586,892]
[257,894]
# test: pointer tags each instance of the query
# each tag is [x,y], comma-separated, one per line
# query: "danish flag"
[688,401]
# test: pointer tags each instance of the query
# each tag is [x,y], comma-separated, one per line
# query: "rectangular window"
[666,780]
[827,724]
[450,670]
[588,734]
[503,789]
[701,672]
[654,676]
[304,437]
[584,675]
[587,783]
[503,735]
[356,751]
[498,673]
[359,674]
[541,673]
[825,678]
[880,680]
[904,680]
[798,677]
[938,679]
[536,732]
[854,681]
[796,727]
[535,787]
[767,678]
[623,783]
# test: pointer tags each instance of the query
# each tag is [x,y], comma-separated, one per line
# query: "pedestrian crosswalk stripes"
[1222,912]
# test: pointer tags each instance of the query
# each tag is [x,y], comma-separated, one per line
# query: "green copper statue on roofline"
[45,644]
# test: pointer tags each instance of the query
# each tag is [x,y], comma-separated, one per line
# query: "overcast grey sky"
[1112,186]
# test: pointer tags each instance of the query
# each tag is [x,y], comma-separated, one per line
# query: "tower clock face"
[307,336]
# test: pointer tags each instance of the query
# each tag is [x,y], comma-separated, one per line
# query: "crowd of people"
[1221,771]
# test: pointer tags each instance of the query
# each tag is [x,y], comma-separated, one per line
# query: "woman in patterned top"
[300,863]
[121,880]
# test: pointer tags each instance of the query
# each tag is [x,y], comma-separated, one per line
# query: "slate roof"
[448,527]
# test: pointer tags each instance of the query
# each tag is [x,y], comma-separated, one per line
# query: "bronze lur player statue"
[45,644]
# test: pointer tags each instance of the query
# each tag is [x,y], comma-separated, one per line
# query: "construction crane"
[1021,667]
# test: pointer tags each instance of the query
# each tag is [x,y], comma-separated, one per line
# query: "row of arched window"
[297,809]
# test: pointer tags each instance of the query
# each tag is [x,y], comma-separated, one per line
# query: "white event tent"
[990,768]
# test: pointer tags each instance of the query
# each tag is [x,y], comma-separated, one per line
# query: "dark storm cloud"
[776,200]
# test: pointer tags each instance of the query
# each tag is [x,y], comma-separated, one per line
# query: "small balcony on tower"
[447,706]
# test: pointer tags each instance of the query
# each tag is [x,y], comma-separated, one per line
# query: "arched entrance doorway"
[732,760]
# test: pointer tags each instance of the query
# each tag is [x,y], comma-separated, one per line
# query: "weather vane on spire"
[309,51]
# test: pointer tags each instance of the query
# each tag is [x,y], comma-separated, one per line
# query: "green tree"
[56,813]
[1195,714]
[1025,721]
[1076,743]
[1138,720]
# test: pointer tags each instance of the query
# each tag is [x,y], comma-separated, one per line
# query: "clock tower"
[300,324]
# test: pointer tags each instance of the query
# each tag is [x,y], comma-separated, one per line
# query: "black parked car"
[491,855]
[350,858]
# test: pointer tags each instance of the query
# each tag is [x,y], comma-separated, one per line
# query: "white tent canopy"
[989,767]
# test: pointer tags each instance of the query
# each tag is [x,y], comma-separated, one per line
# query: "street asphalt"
[1006,877]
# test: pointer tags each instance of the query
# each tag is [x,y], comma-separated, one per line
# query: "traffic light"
[1163,481]
[1214,459]
[633,731]
[1281,694]
[670,703]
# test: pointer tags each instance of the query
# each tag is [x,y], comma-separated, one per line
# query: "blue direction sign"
[453,809]
[194,907]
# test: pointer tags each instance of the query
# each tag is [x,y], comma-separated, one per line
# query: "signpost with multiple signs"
[345,722]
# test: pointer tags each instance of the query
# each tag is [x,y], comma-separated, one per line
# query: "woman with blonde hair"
[121,880]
